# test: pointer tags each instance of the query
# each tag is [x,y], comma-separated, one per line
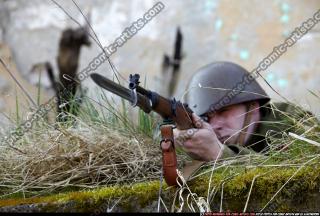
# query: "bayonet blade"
[112,86]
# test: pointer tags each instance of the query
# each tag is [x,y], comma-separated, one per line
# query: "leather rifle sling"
[169,157]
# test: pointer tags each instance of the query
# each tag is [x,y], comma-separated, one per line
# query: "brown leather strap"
[247,119]
[169,158]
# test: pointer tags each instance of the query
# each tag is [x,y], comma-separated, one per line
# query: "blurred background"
[243,32]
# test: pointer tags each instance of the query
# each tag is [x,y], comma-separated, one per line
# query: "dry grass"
[83,155]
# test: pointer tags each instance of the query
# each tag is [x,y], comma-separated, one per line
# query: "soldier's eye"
[223,110]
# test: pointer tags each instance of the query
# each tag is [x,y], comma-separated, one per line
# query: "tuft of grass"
[99,147]
[146,123]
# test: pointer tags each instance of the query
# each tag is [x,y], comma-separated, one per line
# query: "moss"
[143,192]
[235,189]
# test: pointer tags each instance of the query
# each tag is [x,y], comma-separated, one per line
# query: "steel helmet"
[221,84]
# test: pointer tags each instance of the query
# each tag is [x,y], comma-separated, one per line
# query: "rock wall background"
[244,32]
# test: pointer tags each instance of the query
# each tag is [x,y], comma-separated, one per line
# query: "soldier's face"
[228,122]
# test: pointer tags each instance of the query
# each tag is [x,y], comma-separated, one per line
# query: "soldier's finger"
[199,122]
[188,145]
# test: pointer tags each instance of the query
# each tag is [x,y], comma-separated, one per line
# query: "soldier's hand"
[201,143]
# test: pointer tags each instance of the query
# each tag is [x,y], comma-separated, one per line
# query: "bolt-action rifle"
[172,112]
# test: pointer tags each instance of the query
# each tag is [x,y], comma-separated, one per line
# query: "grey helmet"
[221,84]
